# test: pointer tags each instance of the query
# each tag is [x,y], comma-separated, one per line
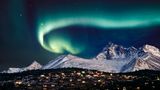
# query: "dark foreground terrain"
[80,79]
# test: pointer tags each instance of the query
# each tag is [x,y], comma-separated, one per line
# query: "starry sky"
[43,29]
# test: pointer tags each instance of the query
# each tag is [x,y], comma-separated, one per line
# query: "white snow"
[93,64]
[152,50]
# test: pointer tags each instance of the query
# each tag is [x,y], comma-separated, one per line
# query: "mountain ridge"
[113,58]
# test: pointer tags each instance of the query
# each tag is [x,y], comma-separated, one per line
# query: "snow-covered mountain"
[113,58]
[33,66]
[150,59]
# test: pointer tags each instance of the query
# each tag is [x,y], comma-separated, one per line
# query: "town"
[80,79]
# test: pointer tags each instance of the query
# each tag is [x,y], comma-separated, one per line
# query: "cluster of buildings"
[83,80]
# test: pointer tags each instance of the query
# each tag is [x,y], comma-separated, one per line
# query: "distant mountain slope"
[34,66]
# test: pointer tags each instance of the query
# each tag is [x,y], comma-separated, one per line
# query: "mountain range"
[113,58]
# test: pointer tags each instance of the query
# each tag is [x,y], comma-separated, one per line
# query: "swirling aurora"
[60,45]
[105,15]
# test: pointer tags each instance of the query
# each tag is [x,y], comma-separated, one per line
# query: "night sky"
[43,29]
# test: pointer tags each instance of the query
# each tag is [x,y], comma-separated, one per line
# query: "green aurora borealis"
[107,21]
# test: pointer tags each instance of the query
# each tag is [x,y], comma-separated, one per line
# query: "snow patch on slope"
[152,50]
